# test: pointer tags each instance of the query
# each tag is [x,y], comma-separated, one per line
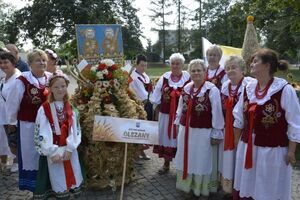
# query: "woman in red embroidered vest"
[200,119]
[269,114]
[29,94]
[57,136]
[217,76]
[165,97]
[231,90]
[141,84]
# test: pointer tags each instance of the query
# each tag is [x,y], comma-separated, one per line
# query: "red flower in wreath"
[109,75]
[101,67]
[107,99]
[111,82]
[113,67]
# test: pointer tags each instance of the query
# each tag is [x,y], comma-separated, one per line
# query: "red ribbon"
[186,138]
[249,163]
[174,95]
[229,134]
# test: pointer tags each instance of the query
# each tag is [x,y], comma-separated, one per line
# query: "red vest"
[165,97]
[201,116]
[33,98]
[270,125]
[217,79]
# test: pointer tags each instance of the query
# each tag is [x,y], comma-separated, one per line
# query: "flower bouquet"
[103,90]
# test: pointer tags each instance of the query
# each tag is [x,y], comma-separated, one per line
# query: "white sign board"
[113,129]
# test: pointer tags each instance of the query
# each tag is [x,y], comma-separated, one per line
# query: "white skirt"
[268,179]
[29,155]
[163,122]
[199,151]
[57,173]
[228,163]
[4,146]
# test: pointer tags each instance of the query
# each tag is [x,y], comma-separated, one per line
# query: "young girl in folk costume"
[201,120]
[268,111]
[217,76]
[29,94]
[165,97]
[231,91]
[8,137]
[57,137]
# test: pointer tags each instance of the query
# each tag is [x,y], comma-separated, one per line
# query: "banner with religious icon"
[113,129]
[99,41]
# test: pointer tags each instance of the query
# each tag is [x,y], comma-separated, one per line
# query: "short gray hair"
[238,60]
[215,48]
[177,56]
[198,62]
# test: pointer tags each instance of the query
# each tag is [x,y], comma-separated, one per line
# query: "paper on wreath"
[82,65]
[114,129]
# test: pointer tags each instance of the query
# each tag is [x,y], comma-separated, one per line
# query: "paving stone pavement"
[147,185]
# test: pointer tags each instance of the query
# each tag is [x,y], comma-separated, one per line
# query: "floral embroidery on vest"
[271,114]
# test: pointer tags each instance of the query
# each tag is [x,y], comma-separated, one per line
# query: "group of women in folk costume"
[258,140]
[26,98]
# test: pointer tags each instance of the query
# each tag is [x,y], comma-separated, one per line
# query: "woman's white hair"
[216,49]
[198,62]
[177,56]
[237,60]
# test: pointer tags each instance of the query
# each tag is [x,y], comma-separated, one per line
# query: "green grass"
[157,71]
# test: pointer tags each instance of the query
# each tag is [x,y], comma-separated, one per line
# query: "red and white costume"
[217,76]
[54,135]
[230,96]
[29,93]
[166,94]
[200,117]
[268,123]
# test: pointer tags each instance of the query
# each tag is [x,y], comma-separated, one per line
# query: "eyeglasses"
[50,52]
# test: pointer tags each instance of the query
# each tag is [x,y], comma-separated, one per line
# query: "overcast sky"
[143,14]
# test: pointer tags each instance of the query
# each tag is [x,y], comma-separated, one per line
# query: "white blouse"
[6,88]
[138,86]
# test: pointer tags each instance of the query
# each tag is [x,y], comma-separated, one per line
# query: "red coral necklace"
[234,92]
[264,91]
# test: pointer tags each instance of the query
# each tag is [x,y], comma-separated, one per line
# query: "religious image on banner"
[98,41]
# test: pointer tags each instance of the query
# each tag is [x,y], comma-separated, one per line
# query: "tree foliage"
[8,31]
[160,9]
[52,22]
[277,23]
